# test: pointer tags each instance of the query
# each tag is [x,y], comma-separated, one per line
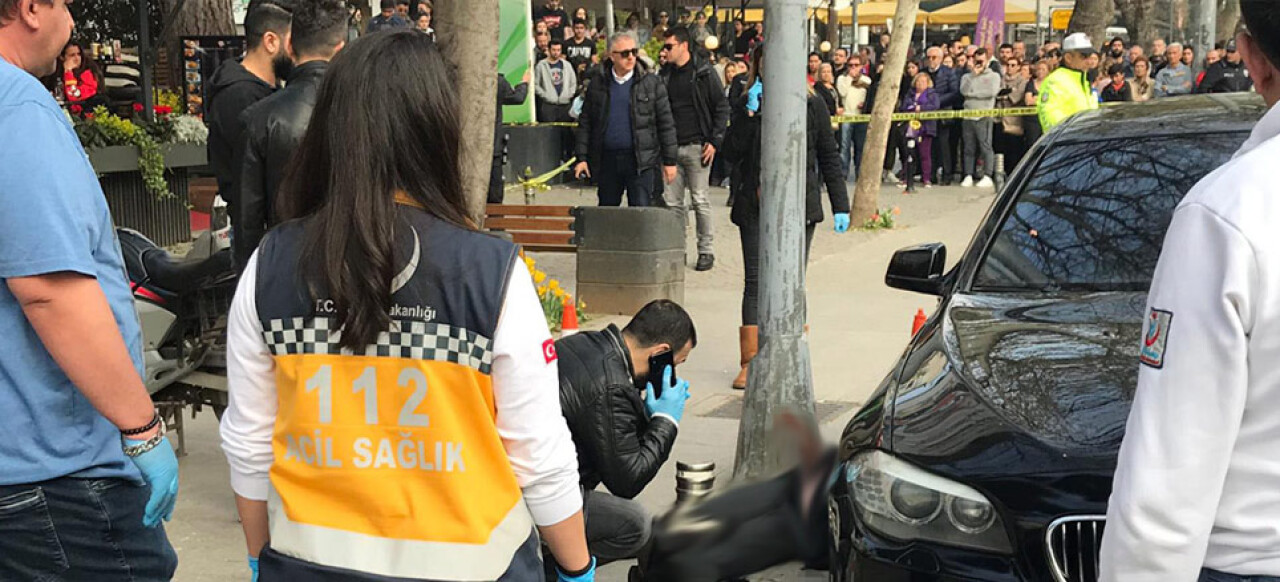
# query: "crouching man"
[622,430]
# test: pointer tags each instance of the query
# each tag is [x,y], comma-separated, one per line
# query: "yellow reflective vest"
[1064,93]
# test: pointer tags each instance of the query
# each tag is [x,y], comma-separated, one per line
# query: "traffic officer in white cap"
[1197,489]
[1066,91]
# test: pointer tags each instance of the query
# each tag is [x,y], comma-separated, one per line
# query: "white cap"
[1079,43]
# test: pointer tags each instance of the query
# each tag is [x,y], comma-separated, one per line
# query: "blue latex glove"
[842,222]
[159,468]
[253,562]
[754,94]
[589,576]
[673,397]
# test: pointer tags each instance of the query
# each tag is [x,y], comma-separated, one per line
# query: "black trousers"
[495,181]
[616,173]
[944,149]
[750,234]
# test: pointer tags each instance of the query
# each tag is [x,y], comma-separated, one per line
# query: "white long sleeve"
[526,387]
[1198,479]
[250,417]
[1186,415]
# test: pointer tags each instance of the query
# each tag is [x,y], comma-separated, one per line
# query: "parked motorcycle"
[182,304]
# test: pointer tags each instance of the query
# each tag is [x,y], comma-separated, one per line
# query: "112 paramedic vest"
[387,461]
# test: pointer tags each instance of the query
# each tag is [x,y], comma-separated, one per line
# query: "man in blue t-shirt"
[86,474]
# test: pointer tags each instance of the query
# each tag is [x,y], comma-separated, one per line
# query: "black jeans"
[750,234]
[495,181]
[944,149]
[81,529]
[616,172]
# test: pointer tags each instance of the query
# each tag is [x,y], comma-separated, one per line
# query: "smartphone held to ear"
[658,363]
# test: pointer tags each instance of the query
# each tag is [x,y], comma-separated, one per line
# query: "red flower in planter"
[163,110]
[88,116]
[76,109]
[137,108]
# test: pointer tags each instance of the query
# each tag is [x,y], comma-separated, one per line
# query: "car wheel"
[837,561]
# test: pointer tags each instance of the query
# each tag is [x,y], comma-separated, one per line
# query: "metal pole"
[608,17]
[1039,31]
[853,6]
[1208,25]
[144,66]
[780,379]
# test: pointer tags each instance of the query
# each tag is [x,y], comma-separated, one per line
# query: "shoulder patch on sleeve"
[1155,338]
[549,350]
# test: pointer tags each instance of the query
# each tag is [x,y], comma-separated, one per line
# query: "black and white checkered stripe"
[406,339]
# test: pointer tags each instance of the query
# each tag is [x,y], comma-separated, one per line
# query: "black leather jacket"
[273,129]
[708,99]
[618,444]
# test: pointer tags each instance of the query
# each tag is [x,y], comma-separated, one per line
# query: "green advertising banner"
[515,47]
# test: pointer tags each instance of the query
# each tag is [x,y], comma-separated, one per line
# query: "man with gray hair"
[1176,77]
[626,130]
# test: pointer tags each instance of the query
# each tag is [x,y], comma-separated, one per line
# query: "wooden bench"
[536,228]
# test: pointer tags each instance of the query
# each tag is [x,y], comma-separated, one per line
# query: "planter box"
[114,159]
[165,221]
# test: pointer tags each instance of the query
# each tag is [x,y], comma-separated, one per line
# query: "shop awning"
[967,13]
[876,13]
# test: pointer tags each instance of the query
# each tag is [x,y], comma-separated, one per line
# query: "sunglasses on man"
[627,54]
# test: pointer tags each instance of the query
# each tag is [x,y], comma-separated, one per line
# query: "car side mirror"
[919,268]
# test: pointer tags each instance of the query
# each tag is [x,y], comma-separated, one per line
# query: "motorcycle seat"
[178,276]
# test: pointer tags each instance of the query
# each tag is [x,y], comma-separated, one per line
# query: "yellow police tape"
[540,182]
[923,116]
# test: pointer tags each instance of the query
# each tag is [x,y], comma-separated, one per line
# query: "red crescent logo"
[1154,333]
[549,350]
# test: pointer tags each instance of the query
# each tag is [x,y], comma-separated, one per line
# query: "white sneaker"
[967,182]
[986,182]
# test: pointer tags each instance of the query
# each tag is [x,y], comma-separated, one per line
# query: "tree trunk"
[1228,19]
[468,34]
[196,18]
[867,195]
[1092,17]
[1139,17]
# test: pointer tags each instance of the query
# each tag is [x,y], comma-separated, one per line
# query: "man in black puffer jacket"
[626,129]
[623,434]
[274,126]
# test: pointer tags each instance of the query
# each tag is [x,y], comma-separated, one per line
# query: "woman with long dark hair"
[742,151]
[394,398]
[81,77]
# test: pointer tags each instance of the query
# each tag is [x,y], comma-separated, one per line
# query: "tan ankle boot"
[748,343]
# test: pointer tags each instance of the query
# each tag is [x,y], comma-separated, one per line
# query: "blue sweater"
[617,129]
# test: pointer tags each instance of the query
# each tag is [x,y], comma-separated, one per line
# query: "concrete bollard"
[998,176]
[694,481]
[628,257]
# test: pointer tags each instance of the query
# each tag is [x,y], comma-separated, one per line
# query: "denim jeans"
[977,143]
[1207,575]
[617,528]
[853,137]
[81,529]
[692,176]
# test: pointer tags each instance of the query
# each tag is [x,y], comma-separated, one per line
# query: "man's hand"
[159,469]
[581,170]
[527,75]
[673,398]
[708,154]
[669,174]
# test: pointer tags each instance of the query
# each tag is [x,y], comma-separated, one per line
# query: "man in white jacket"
[1197,489]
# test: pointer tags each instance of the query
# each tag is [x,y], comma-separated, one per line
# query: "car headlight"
[904,502]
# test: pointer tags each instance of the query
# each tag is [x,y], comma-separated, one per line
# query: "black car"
[987,454]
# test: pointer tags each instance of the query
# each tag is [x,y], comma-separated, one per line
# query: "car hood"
[1030,391]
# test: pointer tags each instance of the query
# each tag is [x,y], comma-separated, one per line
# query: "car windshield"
[1093,215]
